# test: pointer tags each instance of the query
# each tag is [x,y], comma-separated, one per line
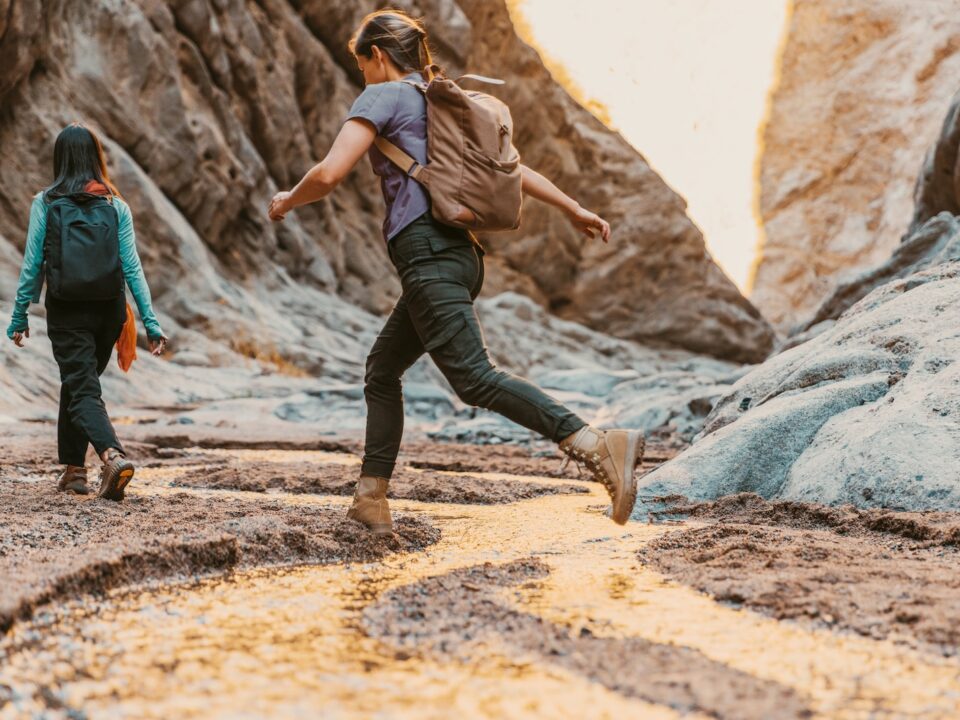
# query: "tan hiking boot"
[73,480]
[370,505]
[115,475]
[612,456]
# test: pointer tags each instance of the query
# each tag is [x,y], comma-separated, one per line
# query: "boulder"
[867,412]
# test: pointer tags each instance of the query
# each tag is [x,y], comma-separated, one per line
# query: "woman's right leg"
[397,348]
[71,442]
[75,351]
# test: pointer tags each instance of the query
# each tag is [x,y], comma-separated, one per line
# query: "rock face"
[936,241]
[934,234]
[867,412]
[862,90]
[938,187]
[208,107]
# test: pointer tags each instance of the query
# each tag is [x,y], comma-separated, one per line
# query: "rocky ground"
[195,512]
[56,546]
[878,573]
[332,480]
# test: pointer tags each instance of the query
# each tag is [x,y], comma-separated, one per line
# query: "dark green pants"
[441,272]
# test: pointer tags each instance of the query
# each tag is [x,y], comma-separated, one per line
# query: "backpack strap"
[469,76]
[481,78]
[398,157]
[403,160]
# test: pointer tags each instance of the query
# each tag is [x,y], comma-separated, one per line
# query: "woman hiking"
[80,240]
[441,273]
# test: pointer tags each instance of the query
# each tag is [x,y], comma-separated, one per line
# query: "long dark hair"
[400,37]
[77,159]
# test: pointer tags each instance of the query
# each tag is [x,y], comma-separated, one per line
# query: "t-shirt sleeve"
[376,104]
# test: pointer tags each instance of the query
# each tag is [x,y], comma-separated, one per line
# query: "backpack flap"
[473,170]
[82,250]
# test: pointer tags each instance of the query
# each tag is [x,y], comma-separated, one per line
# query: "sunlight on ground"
[686,83]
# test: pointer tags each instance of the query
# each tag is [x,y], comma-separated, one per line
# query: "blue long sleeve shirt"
[31,280]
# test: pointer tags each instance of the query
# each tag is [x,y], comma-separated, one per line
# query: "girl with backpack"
[439,263]
[80,240]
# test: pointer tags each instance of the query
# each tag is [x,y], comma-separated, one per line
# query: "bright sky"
[686,83]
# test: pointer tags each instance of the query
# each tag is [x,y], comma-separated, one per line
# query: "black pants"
[83,336]
[441,273]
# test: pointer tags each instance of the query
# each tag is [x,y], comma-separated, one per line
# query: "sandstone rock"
[936,241]
[867,412]
[208,107]
[862,89]
[938,187]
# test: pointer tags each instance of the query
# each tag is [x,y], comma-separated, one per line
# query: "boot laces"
[593,465]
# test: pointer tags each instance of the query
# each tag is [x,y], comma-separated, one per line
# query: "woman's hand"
[19,336]
[280,205]
[158,346]
[590,223]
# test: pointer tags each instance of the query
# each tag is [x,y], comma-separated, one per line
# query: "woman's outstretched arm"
[353,140]
[589,223]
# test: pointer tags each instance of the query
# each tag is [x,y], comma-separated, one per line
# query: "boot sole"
[377,529]
[114,481]
[628,496]
[75,489]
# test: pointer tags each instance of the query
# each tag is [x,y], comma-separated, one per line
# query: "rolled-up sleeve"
[377,104]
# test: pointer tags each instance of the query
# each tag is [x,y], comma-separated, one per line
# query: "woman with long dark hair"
[80,240]
[441,273]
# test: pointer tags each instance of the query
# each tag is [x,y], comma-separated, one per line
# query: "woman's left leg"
[440,290]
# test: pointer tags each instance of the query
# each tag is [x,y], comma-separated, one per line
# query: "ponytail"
[400,37]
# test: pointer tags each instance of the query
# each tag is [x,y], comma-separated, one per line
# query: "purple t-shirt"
[399,113]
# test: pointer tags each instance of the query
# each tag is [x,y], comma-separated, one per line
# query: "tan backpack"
[473,170]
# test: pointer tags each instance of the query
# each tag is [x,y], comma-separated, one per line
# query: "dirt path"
[535,608]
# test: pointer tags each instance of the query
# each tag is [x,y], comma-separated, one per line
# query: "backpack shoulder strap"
[398,157]
[481,78]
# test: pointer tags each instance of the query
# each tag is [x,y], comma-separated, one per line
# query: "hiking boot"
[612,456]
[73,480]
[370,505]
[115,475]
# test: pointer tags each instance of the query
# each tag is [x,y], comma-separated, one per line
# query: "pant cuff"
[377,468]
[100,447]
[568,427]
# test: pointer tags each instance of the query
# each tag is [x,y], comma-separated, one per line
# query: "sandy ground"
[201,512]
[459,615]
[55,545]
[878,573]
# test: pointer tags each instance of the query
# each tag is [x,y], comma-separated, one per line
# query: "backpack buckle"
[415,170]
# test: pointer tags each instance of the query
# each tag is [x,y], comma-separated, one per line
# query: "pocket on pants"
[438,310]
[444,334]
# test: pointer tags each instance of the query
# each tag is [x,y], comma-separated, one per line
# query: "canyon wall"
[862,92]
[863,407]
[208,107]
